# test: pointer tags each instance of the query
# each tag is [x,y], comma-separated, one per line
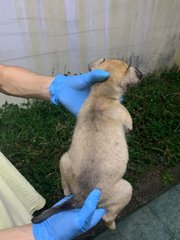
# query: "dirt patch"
[149,185]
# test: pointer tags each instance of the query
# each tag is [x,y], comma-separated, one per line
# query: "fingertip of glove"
[101,74]
[95,193]
[64,200]
[102,211]
[122,98]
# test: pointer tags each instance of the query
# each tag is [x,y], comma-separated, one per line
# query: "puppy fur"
[98,155]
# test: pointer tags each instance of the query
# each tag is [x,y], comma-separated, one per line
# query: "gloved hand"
[69,224]
[121,99]
[72,91]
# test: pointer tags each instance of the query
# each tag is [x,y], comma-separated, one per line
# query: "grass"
[35,135]
[154,106]
[167,177]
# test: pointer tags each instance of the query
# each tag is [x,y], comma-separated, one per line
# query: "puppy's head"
[121,75]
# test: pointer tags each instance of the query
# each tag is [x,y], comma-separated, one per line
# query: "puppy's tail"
[67,205]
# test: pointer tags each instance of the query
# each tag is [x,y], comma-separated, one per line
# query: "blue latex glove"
[72,91]
[121,99]
[69,224]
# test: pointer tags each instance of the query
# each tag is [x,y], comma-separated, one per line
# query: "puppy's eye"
[138,73]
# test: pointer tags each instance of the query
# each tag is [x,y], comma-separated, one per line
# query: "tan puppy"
[98,155]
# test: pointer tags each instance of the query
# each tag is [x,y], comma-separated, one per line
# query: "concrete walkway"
[158,220]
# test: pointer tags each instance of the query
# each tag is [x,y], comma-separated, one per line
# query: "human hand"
[70,224]
[72,91]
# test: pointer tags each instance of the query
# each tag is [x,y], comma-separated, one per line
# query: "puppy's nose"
[138,73]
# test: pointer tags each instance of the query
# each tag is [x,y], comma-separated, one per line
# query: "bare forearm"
[17,81]
[17,233]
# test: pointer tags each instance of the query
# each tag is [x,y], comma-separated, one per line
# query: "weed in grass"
[35,135]
[167,178]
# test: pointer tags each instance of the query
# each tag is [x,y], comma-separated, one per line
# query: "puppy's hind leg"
[64,170]
[121,195]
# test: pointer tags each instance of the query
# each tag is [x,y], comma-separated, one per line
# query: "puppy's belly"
[101,171]
[104,150]
[97,159]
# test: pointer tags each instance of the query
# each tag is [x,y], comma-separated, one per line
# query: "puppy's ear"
[94,64]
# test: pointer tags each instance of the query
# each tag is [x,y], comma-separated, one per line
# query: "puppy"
[98,154]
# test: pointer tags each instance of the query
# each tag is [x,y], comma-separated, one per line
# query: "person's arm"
[20,82]
[17,233]
[71,91]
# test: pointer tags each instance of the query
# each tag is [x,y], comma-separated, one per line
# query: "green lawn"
[35,135]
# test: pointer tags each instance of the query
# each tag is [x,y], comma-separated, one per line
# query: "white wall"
[64,35]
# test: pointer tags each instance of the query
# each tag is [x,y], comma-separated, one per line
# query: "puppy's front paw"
[128,125]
